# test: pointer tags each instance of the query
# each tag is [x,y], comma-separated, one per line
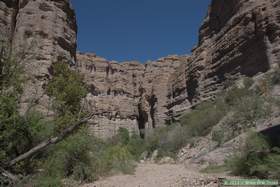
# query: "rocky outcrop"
[40,33]
[7,19]
[237,38]
[129,94]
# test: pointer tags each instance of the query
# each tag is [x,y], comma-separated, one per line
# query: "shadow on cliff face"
[221,12]
[144,111]
[252,59]
[273,135]
[153,104]
[192,85]
[142,120]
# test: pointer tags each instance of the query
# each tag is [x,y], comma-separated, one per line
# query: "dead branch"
[8,175]
[54,140]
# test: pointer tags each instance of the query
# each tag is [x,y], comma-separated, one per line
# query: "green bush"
[167,140]
[256,159]
[71,158]
[274,77]
[11,75]
[29,130]
[47,181]
[251,108]
[200,121]
[244,104]
[122,137]
[214,169]
[218,136]
[117,159]
[68,90]
[136,146]
[248,82]
[12,124]
[247,109]
[233,95]
[67,87]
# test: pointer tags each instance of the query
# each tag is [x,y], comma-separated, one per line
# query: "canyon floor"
[165,175]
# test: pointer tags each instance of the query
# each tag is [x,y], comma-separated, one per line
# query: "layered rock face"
[40,32]
[128,94]
[237,38]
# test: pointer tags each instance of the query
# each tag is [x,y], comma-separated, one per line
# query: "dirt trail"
[154,175]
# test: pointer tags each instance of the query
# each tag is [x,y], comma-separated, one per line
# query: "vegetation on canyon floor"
[258,158]
[80,156]
[84,158]
[235,111]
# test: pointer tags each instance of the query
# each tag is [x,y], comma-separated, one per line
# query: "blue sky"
[138,29]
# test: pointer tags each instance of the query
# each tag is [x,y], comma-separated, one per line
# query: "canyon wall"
[128,94]
[237,38]
[40,33]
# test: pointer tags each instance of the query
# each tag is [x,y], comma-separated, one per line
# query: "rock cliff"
[237,38]
[129,94]
[40,33]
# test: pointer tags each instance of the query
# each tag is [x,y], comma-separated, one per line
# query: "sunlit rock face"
[128,94]
[40,32]
[237,38]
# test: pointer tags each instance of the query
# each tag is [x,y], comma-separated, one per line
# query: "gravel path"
[154,175]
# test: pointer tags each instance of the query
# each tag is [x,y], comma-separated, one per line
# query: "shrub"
[12,124]
[214,169]
[155,138]
[248,82]
[251,108]
[11,76]
[29,130]
[47,181]
[167,140]
[67,88]
[39,128]
[274,77]
[122,137]
[136,146]
[71,158]
[233,95]
[248,109]
[256,159]
[118,159]
[218,136]
[200,121]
